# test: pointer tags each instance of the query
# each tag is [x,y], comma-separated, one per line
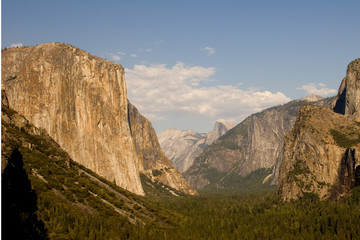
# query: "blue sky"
[190,63]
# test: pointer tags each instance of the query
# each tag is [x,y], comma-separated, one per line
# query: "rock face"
[81,101]
[183,146]
[256,143]
[152,160]
[348,99]
[321,155]
[220,128]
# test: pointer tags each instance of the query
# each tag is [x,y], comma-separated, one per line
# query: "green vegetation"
[344,139]
[229,139]
[156,191]
[230,145]
[7,111]
[72,201]
[19,203]
[262,216]
[212,174]
[75,203]
[235,183]
[300,168]
[156,172]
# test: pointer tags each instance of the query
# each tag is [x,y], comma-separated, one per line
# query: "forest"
[48,196]
[263,216]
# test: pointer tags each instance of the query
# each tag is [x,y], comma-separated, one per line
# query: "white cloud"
[317,89]
[210,51]
[115,57]
[133,55]
[16,45]
[159,91]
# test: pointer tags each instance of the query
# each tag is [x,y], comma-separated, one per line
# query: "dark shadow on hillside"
[340,103]
[19,203]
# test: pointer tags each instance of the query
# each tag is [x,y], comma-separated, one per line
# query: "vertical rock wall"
[81,101]
[151,157]
[348,99]
[320,156]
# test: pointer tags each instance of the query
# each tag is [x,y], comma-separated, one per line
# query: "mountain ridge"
[183,146]
[255,143]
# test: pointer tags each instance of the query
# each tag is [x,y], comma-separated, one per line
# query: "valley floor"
[262,216]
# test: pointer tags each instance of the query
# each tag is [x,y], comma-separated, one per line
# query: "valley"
[75,203]
[79,161]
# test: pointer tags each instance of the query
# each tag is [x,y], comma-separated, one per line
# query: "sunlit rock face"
[348,98]
[255,143]
[81,101]
[321,155]
[151,157]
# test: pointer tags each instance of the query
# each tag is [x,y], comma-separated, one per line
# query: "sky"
[191,63]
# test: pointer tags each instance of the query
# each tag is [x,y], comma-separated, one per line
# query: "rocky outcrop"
[152,160]
[348,98]
[81,101]
[256,143]
[321,155]
[183,146]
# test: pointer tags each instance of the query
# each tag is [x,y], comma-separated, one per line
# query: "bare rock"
[183,146]
[321,155]
[348,98]
[151,157]
[81,101]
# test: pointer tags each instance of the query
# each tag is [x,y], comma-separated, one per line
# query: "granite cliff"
[183,146]
[321,155]
[42,188]
[254,145]
[152,160]
[348,98]
[81,101]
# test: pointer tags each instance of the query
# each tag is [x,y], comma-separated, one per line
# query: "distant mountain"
[254,145]
[183,146]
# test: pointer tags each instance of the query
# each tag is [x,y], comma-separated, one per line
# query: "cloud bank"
[159,91]
[317,89]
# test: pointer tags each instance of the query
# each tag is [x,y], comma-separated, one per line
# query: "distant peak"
[312,98]
[228,124]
